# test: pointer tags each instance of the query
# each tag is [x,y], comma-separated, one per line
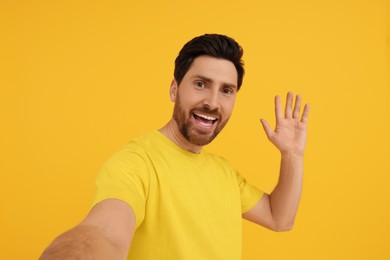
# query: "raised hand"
[289,135]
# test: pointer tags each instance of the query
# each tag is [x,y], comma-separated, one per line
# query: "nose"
[211,100]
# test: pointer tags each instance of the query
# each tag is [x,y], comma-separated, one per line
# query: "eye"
[227,91]
[200,84]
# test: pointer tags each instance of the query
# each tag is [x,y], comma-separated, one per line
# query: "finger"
[288,109]
[278,108]
[297,107]
[305,114]
[267,128]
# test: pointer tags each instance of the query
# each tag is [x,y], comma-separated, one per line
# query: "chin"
[201,139]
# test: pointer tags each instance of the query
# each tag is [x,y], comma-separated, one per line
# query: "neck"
[172,132]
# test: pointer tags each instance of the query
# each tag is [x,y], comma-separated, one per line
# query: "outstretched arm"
[106,233]
[277,211]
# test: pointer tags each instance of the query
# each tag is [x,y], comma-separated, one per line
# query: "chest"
[190,188]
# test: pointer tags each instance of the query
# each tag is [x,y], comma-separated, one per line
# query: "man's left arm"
[277,211]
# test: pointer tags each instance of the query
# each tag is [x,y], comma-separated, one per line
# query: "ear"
[173,90]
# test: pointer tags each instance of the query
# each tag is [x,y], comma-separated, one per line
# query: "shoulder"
[134,153]
[220,162]
[217,158]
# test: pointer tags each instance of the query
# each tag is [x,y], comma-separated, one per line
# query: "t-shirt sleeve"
[125,176]
[250,195]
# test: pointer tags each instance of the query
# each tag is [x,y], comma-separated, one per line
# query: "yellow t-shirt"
[187,206]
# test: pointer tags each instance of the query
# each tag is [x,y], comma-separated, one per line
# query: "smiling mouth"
[205,120]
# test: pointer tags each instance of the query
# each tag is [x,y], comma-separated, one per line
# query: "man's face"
[204,99]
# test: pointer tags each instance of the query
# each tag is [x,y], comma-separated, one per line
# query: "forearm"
[83,242]
[284,200]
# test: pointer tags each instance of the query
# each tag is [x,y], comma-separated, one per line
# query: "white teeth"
[206,117]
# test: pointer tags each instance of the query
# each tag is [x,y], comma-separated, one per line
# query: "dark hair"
[215,45]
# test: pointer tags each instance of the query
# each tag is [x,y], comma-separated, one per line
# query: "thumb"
[267,129]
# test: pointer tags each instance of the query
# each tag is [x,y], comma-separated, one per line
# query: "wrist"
[292,155]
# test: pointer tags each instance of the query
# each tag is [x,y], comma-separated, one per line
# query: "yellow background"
[80,78]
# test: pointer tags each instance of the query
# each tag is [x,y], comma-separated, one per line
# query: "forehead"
[217,69]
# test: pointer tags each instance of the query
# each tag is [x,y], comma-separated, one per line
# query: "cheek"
[229,107]
[191,101]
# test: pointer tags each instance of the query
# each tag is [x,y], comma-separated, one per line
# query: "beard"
[190,132]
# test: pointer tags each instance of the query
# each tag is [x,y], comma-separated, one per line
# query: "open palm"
[289,135]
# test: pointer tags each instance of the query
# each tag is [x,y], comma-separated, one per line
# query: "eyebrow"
[225,84]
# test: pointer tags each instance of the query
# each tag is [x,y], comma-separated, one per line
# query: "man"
[169,199]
